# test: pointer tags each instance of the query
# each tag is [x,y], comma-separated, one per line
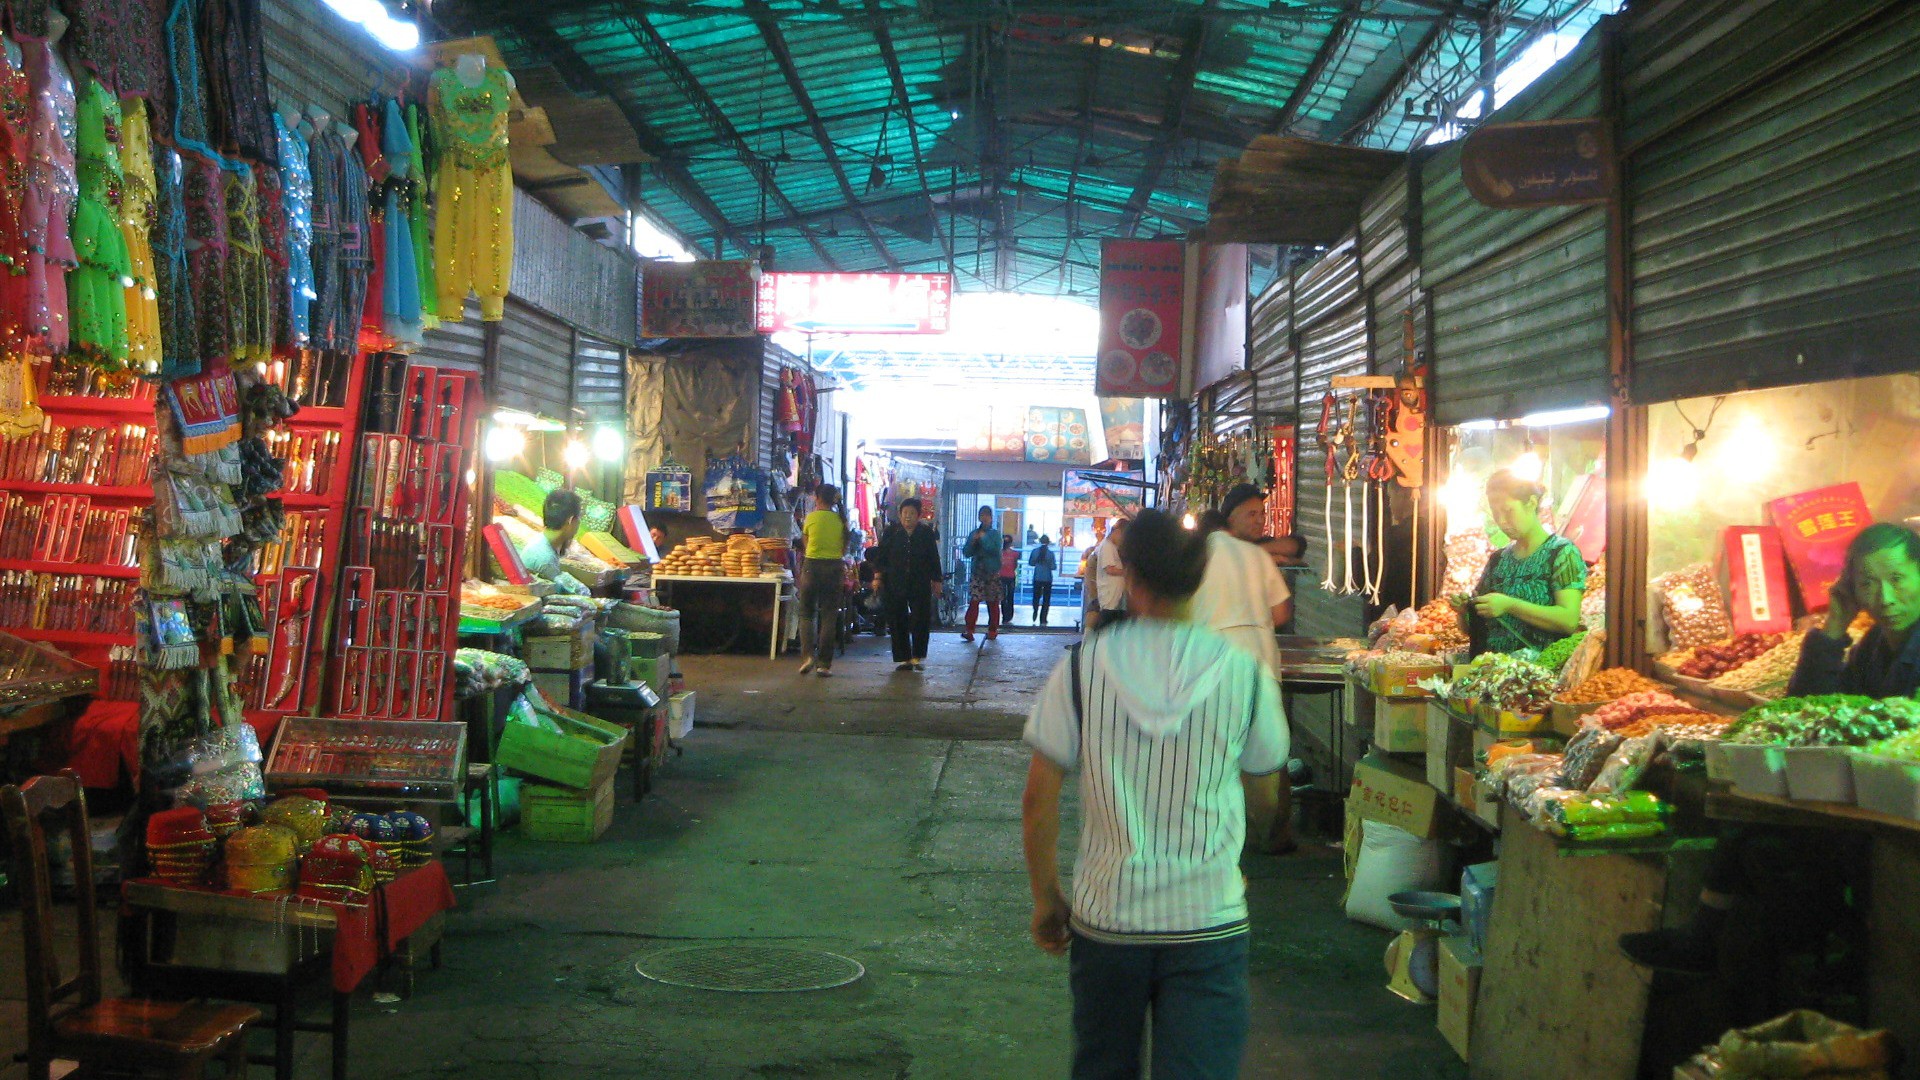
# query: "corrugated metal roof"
[1005,140]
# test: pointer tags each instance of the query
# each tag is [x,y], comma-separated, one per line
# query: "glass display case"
[406,760]
[34,674]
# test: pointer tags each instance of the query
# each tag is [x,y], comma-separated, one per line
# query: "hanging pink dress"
[52,186]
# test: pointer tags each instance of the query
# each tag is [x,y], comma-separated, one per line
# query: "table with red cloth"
[401,906]
[363,937]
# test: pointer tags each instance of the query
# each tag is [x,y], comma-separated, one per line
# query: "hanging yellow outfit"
[473,211]
[137,214]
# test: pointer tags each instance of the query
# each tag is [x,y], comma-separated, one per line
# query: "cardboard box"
[556,652]
[1396,793]
[1468,793]
[1460,967]
[1440,747]
[1399,680]
[1400,725]
[567,688]
[680,714]
[1564,719]
[1356,705]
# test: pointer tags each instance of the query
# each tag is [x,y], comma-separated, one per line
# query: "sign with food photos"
[1142,304]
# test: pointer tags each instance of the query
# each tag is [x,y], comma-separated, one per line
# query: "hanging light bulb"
[575,454]
[1189,523]
[504,443]
[608,443]
[1528,467]
[1673,483]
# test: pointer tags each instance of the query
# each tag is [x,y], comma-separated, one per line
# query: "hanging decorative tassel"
[207,408]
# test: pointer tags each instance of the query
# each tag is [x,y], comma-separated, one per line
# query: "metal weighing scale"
[1413,957]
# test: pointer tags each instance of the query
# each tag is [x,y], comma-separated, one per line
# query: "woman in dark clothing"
[909,580]
[1042,562]
[1529,595]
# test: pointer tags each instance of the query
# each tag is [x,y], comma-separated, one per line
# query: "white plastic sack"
[1392,860]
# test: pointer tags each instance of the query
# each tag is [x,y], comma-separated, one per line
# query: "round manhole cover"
[750,969]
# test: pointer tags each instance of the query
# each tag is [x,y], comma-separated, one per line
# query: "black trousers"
[1042,599]
[910,618]
[1006,599]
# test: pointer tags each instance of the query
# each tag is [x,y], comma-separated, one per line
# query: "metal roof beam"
[559,52]
[934,195]
[1336,38]
[677,72]
[1186,72]
[888,54]
[769,27]
[1087,89]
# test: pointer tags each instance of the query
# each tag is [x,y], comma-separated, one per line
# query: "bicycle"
[948,610]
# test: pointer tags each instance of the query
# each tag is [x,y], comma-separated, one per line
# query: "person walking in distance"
[908,578]
[1170,727]
[1103,582]
[982,552]
[1245,598]
[1009,579]
[823,580]
[1042,561]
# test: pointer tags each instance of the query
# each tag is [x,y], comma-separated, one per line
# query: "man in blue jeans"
[1169,727]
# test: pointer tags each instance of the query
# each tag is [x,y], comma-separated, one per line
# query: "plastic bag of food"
[1803,1045]
[1692,606]
[1587,754]
[239,782]
[1626,765]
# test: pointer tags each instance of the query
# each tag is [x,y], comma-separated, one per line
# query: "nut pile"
[1771,668]
[1438,621]
[1608,685]
[1467,554]
[1679,727]
[1693,606]
[1717,658]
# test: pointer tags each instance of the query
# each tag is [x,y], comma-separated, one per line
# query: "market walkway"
[873,816]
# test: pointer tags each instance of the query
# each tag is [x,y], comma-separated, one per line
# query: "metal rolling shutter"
[1388,239]
[599,379]
[315,57]
[1270,352]
[460,344]
[1332,317]
[1232,402]
[533,363]
[1775,237]
[1519,296]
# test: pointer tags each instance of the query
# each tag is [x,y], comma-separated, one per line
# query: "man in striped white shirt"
[1169,727]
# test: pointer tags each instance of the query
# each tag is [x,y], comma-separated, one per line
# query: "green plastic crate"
[563,758]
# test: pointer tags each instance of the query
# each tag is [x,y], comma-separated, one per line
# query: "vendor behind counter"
[1882,578]
[560,521]
[1529,595]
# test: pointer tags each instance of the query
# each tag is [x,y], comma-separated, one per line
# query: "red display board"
[1815,527]
[1142,306]
[815,303]
[1757,573]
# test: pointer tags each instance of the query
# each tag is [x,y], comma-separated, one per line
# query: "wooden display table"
[668,583]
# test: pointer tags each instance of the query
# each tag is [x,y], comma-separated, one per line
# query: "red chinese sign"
[855,303]
[1142,302]
[1757,573]
[1815,528]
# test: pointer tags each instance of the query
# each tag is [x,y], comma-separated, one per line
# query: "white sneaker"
[825,673]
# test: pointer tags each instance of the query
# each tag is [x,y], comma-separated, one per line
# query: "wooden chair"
[69,1019]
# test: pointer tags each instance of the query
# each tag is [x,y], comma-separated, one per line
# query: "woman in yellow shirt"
[822,580]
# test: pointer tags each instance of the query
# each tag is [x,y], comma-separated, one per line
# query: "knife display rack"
[398,610]
[299,575]
[71,496]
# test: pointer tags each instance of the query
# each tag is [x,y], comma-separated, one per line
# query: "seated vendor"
[1529,595]
[1882,578]
[1803,873]
[561,518]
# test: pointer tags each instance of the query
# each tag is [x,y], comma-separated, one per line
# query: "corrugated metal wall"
[1776,238]
[563,272]
[1330,316]
[765,427]
[457,344]
[533,367]
[1519,296]
[1270,352]
[1389,241]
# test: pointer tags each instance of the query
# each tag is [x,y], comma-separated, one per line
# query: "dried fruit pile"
[1618,714]
[1438,620]
[1608,685]
[1715,659]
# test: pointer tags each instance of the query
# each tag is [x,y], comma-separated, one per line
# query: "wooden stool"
[483,779]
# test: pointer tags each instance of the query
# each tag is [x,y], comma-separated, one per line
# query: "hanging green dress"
[96,287]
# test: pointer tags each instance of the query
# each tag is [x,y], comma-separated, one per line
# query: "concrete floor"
[874,814]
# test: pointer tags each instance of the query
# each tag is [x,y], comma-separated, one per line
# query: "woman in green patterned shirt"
[1529,595]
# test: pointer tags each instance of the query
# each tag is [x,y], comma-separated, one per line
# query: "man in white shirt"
[1103,582]
[1245,598]
[1169,727]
